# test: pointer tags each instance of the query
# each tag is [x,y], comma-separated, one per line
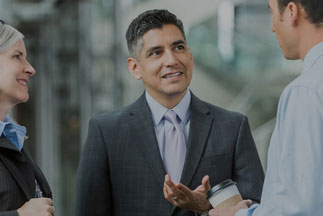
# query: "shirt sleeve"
[247,212]
[294,179]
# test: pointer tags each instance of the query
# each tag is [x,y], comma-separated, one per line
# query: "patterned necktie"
[175,148]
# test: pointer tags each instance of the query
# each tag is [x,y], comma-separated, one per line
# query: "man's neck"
[169,101]
[310,36]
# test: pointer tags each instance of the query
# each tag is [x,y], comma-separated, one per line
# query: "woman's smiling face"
[15,72]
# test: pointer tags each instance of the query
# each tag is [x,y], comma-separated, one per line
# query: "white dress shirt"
[294,179]
[161,126]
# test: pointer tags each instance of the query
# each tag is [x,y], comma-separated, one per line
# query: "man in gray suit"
[167,130]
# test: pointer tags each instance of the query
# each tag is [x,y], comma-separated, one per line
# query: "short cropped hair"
[146,21]
[313,9]
[9,36]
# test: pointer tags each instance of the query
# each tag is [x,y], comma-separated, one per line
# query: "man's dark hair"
[313,9]
[146,21]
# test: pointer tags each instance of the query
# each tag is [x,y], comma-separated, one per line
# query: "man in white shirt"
[294,179]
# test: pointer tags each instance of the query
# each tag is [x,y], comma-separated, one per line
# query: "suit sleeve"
[9,213]
[247,170]
[94,193]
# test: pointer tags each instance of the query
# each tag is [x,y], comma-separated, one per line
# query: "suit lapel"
[4,143]
[200,126]
[142,128]
[39,176]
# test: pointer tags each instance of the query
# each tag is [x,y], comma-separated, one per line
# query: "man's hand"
[37,207]
[231,211]
[183,197]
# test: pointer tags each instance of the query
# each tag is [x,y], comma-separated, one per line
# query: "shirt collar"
[3,124]
[20,130]
[312,55]
[181,109]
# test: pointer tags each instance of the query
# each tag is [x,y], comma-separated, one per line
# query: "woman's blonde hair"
[9,36]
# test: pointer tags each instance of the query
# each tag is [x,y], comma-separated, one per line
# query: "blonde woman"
[24,190]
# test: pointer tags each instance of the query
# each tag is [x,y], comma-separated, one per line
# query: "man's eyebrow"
[178,42]
[151,49]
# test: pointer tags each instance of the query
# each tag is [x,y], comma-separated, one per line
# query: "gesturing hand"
[183,197]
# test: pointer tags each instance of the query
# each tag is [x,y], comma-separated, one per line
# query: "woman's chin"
[22,99]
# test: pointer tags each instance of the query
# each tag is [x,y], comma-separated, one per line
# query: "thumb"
[245,203]
[206,183]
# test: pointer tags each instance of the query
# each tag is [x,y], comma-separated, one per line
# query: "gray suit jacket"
[17,178]
[121,172]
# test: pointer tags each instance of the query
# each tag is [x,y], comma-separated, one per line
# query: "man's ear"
[134,68]
[191,57]
[293,13]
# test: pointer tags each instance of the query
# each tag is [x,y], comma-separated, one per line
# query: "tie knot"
[170,115]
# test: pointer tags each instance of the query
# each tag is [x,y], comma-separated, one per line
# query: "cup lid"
[220,186]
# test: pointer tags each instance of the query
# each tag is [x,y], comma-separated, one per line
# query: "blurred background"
[78,49]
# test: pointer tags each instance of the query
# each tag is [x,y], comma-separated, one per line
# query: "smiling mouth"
[22,82]
[172,75]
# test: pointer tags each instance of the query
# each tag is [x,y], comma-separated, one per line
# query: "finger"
[47,201]
[166,195]
[174,190]
[183,193]
[171,186]
[249,203]
[213,212]
[166,178]
[51,209]
[169,181]
[169,196]
[206,183]
[169,190]
[173,197]
[245,203]
[184,190]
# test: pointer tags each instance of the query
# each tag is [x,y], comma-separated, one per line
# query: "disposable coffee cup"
[224,195]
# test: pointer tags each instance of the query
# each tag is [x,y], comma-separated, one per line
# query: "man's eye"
[155,53]
[180,47]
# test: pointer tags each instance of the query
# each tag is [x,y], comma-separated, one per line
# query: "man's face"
[165,63]
[283,28]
